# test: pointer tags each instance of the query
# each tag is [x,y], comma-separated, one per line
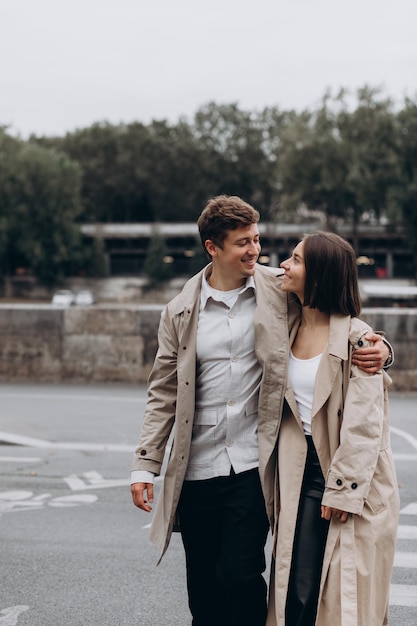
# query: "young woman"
[337,501]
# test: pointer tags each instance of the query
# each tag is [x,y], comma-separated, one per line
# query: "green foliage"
[355,155]
[95,260]
[405,193]
[156,268]
[39,203]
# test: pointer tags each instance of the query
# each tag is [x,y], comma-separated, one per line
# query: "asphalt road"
[75,551]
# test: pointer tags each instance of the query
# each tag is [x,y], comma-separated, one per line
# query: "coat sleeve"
[353,465]
[159,415]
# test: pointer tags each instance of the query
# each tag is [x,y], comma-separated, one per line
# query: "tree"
[157,268]
[235,157]
[405,193]
[39,203]
[369,136]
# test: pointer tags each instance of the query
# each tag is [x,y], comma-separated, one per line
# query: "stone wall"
[92,344]
[400,327]
[117,343]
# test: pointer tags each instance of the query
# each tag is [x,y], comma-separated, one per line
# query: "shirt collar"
[206,291]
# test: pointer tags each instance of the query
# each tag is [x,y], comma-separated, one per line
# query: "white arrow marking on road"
[407,532]
[405,559]
[410,509]
[403,595]
[95,481]
[11,614]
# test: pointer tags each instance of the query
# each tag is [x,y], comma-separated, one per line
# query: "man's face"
[239,254]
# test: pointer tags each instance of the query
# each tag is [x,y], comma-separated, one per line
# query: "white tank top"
[302,378]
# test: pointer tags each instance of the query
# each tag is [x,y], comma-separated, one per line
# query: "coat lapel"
[330,362]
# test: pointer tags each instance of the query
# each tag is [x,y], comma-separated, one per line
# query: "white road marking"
[94,481]
[410,509]
[405,559]
[402,433]
[73,500]
[54,396]
[403,595]
[11,614]
[33,442]
[15,501]
[407,532]
[20,459]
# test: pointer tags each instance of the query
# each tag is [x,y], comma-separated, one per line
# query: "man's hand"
[372,358]
[138,490]
[328,512]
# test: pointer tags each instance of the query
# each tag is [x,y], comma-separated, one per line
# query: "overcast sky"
[65,64]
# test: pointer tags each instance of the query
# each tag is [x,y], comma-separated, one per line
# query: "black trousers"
[308,549]
[224,529]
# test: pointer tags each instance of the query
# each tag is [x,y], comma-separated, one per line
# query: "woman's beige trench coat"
[171,387]
[351,434]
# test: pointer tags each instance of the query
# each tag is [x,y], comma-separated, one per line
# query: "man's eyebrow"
[257,236]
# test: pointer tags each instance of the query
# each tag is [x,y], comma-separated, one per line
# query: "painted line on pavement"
[410,509]
[33,442]
[407,532]
[18,459]
[402,433]
[405,559]
[55,396]
[403,595]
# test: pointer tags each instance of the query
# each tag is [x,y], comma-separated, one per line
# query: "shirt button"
[232,315]
[234,359]
[354,485]
[229,443]
[231,403]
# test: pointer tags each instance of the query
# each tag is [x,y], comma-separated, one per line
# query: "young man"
[206,380]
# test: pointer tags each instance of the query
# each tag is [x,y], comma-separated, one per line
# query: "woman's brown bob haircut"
[224,213]
[331,284]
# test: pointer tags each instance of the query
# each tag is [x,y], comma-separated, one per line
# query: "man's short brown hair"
[224,213]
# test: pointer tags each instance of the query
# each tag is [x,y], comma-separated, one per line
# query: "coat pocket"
[374,500]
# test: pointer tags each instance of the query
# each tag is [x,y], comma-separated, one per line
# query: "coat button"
[339,481]
[360,343]
[354,485]
[339,413]
[143,452]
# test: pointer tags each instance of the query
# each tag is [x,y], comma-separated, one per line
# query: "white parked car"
[63,297]
[84,298]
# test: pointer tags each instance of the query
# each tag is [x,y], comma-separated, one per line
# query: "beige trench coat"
[171,387]
[351,434]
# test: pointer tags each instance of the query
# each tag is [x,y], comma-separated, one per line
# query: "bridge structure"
[382,250]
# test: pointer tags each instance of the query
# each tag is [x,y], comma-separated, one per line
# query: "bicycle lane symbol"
[14,501]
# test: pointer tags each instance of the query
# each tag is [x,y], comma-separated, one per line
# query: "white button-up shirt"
[227,386]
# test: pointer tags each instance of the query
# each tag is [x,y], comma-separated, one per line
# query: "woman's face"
[295,272]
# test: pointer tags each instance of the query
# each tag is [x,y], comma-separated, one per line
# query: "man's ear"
[210,247]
